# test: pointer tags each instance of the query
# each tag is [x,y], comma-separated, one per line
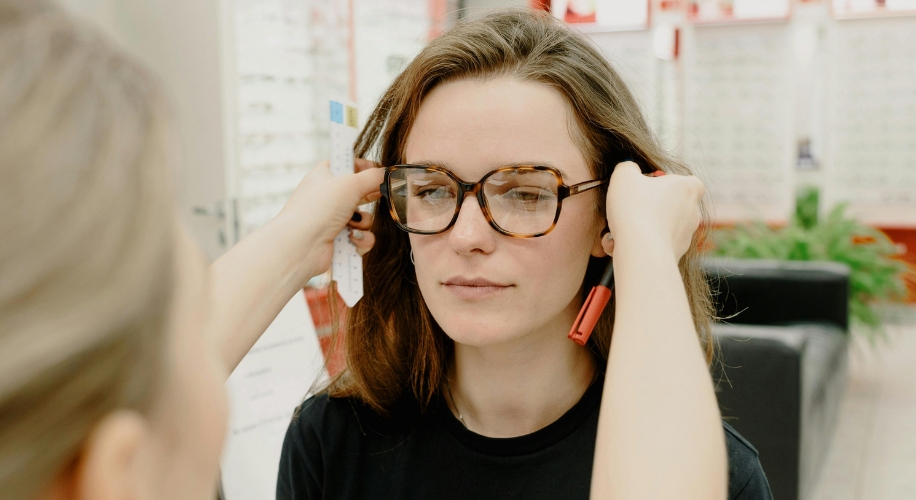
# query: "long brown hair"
[393,344]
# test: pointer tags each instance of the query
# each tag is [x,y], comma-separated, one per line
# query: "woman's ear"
[604,245]
[109,463]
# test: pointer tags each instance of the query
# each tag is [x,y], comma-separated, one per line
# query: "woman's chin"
[482,334]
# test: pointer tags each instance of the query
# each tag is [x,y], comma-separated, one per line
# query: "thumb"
[359,186]
[625,169]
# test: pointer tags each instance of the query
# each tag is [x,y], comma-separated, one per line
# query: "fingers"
[361,220]
[661,208]
[362,165]
[365,185]
[362,240]
[694,185]
[626,169]
[360,235]
[370,198]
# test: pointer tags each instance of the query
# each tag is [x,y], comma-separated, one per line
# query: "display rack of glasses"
[387,35]
[292,57]
[631,54]
[738,116]
[872,119]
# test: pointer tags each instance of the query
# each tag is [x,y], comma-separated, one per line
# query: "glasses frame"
[563,192]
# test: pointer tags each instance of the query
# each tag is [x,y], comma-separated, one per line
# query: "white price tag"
[347,265]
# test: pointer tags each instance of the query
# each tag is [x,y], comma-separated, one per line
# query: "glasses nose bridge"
[475,188]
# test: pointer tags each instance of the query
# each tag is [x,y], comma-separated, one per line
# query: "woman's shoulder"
[321,408]
[326,416]
[746,479]
[325,434]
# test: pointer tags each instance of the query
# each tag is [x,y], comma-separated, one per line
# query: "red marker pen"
[593,307]
[596,301]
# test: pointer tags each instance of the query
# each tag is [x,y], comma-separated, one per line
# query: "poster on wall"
[851,9]
[717,11]
[600,15]
[265,389]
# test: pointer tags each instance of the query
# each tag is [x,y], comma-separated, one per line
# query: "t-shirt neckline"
[529,443]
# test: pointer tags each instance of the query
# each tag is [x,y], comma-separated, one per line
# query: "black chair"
[782,371]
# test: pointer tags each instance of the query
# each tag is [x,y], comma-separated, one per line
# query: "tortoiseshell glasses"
[518,201]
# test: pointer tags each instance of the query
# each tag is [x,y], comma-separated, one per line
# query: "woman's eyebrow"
[539,164]
[431,163]
[445,165]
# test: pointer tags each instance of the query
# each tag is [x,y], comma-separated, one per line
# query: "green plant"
[874,276]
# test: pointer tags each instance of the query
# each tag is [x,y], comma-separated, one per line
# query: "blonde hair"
[87,236]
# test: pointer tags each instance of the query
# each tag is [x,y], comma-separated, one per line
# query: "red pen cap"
[588,316]
[592,308]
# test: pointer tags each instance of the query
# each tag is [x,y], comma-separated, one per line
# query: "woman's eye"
[433,193]
[528,194]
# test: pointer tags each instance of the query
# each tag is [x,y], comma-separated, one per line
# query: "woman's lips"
[473,288]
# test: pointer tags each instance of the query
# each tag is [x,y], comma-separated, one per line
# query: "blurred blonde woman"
[115,337]
[111,373]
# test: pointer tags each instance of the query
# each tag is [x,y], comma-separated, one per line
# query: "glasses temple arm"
[585,186]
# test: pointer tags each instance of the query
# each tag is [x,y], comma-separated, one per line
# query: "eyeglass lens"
[520,201]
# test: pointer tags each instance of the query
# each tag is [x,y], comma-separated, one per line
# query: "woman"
[461,382]
[115,338]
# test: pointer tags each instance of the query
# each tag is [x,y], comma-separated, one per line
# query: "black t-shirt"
[338,448]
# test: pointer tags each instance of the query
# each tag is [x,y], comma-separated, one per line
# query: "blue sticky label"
[337,112]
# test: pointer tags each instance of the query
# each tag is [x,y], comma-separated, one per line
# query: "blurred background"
[800,116]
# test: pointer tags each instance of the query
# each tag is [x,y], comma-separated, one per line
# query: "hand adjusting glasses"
[519,201]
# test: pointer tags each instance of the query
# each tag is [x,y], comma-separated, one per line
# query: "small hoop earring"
[411,257]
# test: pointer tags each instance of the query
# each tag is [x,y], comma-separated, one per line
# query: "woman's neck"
[516,388]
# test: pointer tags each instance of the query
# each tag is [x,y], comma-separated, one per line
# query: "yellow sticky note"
[351,116]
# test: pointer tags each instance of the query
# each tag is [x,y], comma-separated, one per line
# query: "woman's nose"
[471,232]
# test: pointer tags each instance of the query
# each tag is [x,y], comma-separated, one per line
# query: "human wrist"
[293,245]
[642,244]
[647,277]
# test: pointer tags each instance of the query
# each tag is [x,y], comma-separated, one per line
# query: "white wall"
[183,43]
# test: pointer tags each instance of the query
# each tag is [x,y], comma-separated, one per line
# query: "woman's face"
[188,424]
[484,288]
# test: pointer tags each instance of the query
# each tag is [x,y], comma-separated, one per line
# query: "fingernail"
[356,217]
[608,237]
[357,234]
